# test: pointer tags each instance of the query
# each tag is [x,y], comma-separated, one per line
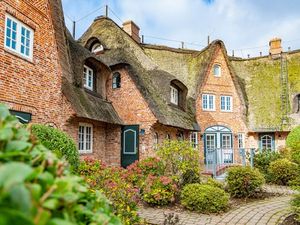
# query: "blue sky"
[245,26]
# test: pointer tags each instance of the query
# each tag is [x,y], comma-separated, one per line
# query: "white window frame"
[85,150]
[206,102]
[194,139]
[174,95]
[155,140]
[267,138]
[241,140]
[86,74]
[219,69]
[19,27]
[227,103]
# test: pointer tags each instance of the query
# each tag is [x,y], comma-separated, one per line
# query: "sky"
[245,26]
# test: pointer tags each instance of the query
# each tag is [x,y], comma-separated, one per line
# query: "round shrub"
[204,198]
[58,142]
[293,142]
[243,181]
[263,159]
[282,171]
[159,190]
[214,183]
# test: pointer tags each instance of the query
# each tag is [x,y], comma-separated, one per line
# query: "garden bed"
[290,220]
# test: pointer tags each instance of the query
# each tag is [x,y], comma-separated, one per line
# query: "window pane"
[211,102]
[204,102]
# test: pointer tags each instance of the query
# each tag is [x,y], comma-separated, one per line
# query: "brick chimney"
[275,47]
[133,30]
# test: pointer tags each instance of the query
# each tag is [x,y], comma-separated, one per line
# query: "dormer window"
[116,80]
[174,95]
[88,78]
[97,48]
[217,70]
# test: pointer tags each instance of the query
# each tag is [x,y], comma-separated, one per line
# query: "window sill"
[92,92]
[176,106]
[20,56]
[85,153]
[226,111]
[209,110]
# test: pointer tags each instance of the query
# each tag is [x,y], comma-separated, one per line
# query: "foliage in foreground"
[296,204]
[243,181]
[204,198]
[293,142]
[58,142]
[36,188]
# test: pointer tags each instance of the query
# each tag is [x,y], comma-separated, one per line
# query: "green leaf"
[46,178]
[12,217]
[44,218]
[6,133]
[13,173]
[57,221]
[4,113]
[20,198]
[51,204]
[17,145]
[36,191]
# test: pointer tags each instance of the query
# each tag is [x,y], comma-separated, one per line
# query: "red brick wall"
[218,86]
[35,86]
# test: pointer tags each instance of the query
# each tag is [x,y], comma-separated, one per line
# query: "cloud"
[241,24]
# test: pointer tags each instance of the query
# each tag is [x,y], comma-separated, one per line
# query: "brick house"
[118,98]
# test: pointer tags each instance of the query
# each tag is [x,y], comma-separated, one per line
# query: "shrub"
[179,157]
[204,198]
[263,159]
[243,181]
[58,142]
[110,180]
[159,190]
[296,205]
[190,177]
[37,188]
[282,171]
[214,183]
[293,142]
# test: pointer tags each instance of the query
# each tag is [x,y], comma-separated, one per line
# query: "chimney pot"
[132,29]
[275,47]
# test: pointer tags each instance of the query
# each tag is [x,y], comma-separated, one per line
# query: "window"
[208,102]
[18,37]
[96,48]
[155,140]
[116,80]
[226,141]
[85,138]
[241,140]
[266,142]
[180,136]
[88,78]
[217,70]
[194,139]
[174,95]
[226,103]
[168,137]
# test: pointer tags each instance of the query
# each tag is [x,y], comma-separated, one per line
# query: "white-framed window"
[266,142]
[194,139]
[208,102]
[241,140]
[217,70]
[155,140]
[97,48]
[85,138]
[226,103]
[174,95]
[18,37]
[88,78]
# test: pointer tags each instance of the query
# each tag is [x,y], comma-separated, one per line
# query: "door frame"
[137,143]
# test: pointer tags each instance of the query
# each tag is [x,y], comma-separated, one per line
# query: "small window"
[88,78]
[85,138]
[241,140]
[208,102]
[226,103]
[266,142]
[155,140]
[96,48]
[217,70]
[194,139]
[18,37]
[168,137]
[116,80]
[180,136]
[174,95]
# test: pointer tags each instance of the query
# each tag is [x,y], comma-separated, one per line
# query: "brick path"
[270,211]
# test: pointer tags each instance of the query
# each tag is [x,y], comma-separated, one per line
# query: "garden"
[42,180]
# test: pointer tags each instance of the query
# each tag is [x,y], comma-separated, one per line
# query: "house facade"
[119,98]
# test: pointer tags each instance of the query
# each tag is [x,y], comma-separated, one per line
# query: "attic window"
[217,70]
[174,95]
[97,48]
[116,80]
[297,104]
[88,78]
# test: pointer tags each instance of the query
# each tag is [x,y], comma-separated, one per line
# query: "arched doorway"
[218,145]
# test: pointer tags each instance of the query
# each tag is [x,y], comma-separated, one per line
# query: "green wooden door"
[130,145]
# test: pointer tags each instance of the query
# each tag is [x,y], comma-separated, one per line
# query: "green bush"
[243,181]
[263,159]
[204,198]
[158,190]
[36,187]
[214,183]
[293,142]
[282,171]
[58,142]
[190,177]
[296,204]
[178,158]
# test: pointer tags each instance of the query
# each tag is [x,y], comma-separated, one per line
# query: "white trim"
[226,102]
[89,72]
[241,136]
[84,150]
[208,102]
[124,149]
[19,27]
[194,139]
[174,95]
